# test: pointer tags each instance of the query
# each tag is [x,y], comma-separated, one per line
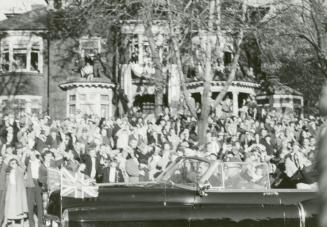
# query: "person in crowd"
[139,146]
[35,180]
[91,161]
[111,173]
[3,188]
[16,200]
[132,168]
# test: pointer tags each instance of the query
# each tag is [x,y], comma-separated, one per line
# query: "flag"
[53,179]
[77,185]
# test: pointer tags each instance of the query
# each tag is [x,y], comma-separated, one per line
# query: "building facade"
[61,78]
[23,69]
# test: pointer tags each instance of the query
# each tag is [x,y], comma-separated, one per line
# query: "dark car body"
[166,203]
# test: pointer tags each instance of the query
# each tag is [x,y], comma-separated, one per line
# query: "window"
[90,46]
[35,51]
[5,59]
[105,98]
[19,59]
[21,53]
[19,104]
[82,97]
[72,109]
[35,111]
[72,98]
[87,108]
[104,110]
[263,101]
[297,101]
[227,58]
[92,96]
[36,106]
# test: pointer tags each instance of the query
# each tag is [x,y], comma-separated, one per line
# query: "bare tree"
[185,20]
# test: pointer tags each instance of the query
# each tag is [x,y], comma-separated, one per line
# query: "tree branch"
[232,74]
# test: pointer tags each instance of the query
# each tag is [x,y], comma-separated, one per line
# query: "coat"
[106,173]
[16,199]
[29,183]
[86,159]
[132,170]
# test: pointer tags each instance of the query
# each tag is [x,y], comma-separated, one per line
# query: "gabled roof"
[274,87]
[33,20]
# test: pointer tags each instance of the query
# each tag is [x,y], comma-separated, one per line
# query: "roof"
[77,81]
[274,87]
[33,20]
[19,6]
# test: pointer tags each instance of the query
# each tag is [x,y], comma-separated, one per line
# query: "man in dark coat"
[53,140]
[91,161]
[36,178]
[269,146]
[111,173]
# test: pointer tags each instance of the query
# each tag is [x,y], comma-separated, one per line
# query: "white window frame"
[21,41]
[29,105]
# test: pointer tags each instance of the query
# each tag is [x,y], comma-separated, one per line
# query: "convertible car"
[191,192]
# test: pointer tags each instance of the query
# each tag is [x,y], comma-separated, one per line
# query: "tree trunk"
[158,101]
[206,95]
[159,80]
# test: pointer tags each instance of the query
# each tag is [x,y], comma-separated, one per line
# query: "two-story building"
[23,61]
[42,75]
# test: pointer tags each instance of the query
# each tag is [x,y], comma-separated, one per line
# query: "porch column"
[140,54]
[235,102]
[111,106]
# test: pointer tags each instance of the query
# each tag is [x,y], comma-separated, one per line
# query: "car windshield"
[187,172]
[228,175]
[246,175]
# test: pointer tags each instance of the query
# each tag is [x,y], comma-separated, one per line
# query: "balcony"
[77,81]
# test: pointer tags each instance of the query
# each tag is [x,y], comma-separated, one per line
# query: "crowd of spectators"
[138,148]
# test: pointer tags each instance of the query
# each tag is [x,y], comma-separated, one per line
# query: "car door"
[245,215]
[182,183]
[180,192]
